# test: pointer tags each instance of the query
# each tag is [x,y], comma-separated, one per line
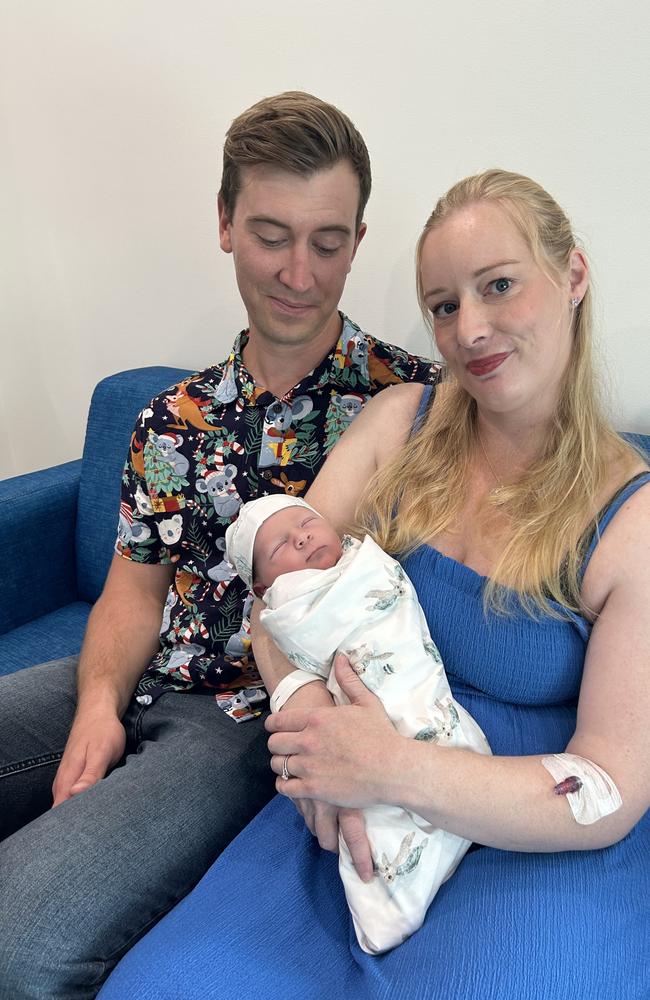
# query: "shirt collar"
[349,353]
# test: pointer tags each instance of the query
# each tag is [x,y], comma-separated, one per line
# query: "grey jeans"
[81,883]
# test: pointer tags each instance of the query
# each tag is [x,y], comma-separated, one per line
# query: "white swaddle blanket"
[367,608]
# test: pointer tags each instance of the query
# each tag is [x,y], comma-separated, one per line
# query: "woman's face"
[502,326]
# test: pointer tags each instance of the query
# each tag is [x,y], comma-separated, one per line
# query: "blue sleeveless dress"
[270,919]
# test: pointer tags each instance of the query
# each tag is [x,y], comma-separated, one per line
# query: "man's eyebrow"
[270,221]
[477,274]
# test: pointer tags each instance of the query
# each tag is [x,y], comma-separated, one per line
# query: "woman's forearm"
[274,667]
[353,756]
[503,802]
[270,661]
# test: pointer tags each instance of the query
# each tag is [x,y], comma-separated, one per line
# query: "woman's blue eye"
[501,285]
[444,309]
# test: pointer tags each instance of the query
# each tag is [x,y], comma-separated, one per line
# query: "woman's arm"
[382,427]
[353,756]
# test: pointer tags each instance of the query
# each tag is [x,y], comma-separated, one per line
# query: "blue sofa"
[59,527]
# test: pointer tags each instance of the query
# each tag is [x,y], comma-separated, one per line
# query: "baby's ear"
[259,590]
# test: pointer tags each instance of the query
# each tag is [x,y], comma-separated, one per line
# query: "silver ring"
[286,774]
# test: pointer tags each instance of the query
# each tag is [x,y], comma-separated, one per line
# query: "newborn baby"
[325,594]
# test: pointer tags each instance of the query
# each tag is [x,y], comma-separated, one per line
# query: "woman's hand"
[342,755]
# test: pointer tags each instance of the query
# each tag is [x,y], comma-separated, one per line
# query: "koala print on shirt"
[170,529]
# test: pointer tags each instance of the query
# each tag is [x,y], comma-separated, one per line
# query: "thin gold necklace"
[498,491]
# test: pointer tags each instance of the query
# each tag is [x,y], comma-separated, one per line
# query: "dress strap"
[425,402]
[607,513]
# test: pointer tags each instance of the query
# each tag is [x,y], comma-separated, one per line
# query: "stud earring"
[575,302]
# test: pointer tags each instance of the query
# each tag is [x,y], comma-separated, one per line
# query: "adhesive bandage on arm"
[589,790]
[289,685]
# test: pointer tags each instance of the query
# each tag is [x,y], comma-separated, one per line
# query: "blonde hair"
[294,131]
[420,493]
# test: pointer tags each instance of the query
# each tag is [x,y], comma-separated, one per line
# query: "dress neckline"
[464,578]
[454,562]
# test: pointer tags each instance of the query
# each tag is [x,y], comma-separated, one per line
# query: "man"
[154,779]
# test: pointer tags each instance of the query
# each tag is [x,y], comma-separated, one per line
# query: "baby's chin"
[323,558]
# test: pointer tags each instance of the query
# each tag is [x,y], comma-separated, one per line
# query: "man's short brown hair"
[294,131]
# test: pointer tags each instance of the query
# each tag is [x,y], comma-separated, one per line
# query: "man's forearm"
[119,643]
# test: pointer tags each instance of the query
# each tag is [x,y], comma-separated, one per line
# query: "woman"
[523,521]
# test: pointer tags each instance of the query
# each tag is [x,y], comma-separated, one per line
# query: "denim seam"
[30,763]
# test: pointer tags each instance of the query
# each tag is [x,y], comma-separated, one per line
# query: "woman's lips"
[482,366]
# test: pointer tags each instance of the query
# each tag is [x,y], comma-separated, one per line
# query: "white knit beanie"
[240,536]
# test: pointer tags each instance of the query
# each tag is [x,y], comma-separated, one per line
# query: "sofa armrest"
[38,513]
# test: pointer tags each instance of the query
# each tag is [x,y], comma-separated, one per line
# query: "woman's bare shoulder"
[389,414]
[398,400]
[623,549]
[375,434]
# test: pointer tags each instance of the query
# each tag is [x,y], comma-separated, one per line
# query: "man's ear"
[225,240]
[362,232]
[363,229]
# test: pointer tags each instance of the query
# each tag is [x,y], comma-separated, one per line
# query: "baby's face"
[293,538]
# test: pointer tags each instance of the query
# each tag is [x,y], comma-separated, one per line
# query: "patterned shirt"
[200,450]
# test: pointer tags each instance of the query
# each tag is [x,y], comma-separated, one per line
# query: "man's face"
[293,241]
[291,539]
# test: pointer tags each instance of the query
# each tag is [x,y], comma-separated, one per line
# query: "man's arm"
[121,638]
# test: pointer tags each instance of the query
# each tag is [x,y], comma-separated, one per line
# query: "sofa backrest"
[640,441]
[115,403]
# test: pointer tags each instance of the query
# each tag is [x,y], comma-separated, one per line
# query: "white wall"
[112,114]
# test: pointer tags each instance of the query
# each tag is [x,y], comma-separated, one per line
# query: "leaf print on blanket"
[431,648]
[306,663]
[385,599]
[404,862]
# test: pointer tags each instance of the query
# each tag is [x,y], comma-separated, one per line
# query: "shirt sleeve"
[153,490]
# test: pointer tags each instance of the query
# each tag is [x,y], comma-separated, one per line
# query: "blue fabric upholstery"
[59,524]
[38,513]
[49,637]
[640,441]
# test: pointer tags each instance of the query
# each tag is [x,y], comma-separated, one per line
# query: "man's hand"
[97,741]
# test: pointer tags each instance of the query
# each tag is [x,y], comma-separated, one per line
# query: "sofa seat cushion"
[50,637]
